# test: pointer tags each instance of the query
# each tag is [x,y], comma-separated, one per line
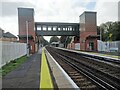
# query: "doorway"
[91,45]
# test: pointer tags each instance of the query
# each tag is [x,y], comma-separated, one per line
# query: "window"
[44,28]
[54,28]
[49,28]
[59,29]
[38,28]
[70,28]
[63,29]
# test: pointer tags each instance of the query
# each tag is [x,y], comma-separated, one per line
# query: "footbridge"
[56,29]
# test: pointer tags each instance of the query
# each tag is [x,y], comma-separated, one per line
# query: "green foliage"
[54,39]
[43,41]
[46,42]
[98,30]
[68,40]
[110,31]
[13,65]
[63,39]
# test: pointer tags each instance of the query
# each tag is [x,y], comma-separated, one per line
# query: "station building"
[88,31]
[87,40]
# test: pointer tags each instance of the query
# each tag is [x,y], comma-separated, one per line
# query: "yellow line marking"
[45,78]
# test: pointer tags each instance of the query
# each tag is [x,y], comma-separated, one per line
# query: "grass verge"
[13,65]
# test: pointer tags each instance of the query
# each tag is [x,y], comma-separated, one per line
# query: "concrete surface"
[64,82]
[92,54]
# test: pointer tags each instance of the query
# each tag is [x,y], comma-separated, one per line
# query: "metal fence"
[77,46]
[113,46]
[10,51]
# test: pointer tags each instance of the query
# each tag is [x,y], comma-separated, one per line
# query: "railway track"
[88,73]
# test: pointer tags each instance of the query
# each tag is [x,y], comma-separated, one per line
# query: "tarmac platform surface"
[25,76]
[35,73]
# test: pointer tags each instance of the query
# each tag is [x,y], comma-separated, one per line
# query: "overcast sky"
[56,11]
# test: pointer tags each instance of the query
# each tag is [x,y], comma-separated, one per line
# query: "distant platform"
[94,54]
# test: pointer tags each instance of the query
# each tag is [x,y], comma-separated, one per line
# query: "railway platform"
[114,57]
[42,71]
[52,74]
[25,76]
[62,79]
[91,71]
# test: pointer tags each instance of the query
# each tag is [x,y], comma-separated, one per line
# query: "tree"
[105,28]
[98,30]
[110,31]
[63,39]
[54,39]
[42,41]
[116,31]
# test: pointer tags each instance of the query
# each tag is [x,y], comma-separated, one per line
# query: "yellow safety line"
[45,78]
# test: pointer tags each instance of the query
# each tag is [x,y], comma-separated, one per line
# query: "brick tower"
[88,31]
[26,21]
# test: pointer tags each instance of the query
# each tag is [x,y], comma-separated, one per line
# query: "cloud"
[59,10]
[106,11]
[55,11]
[10,25]
[90,5]
[10,8]
[45,11]
[8,14]
[119,11]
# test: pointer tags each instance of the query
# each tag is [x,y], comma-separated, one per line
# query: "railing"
[108,46]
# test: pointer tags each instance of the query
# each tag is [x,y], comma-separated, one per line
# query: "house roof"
[92,36]
[25,36]
[9,35]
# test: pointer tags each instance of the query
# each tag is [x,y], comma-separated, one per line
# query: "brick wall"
[27,14]
[87,27]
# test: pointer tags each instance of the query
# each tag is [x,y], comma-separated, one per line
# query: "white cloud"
[58,11]
[45,11]
[10,8]
[10,25]
[61,10]
[106,11]
[8,16]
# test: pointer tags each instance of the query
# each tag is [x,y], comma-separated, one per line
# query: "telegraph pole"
[27,38]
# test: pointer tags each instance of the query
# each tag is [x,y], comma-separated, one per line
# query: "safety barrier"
[113,46]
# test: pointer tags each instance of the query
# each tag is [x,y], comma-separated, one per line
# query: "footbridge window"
[54,28]
[49,28]
[38,28]
[44,28]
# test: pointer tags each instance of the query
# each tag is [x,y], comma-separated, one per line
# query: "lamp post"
[100,34]
[27,38]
